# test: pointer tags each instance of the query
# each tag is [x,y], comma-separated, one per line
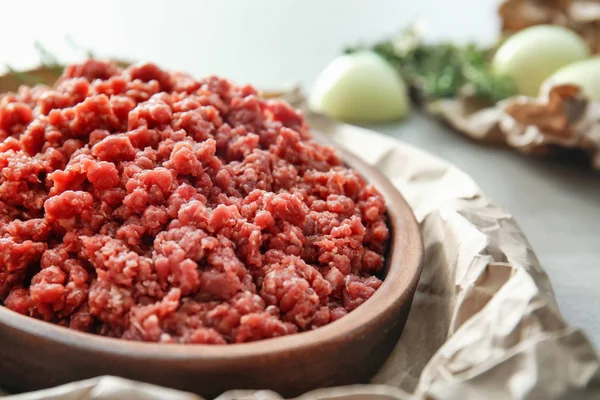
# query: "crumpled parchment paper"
[562,118]
[484,322]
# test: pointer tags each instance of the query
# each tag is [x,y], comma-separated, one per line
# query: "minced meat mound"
[146,205]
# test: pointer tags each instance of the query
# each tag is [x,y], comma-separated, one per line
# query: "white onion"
[360,87]
[533,54]
[585,74]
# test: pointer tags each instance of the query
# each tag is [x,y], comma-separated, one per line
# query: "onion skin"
[585,74]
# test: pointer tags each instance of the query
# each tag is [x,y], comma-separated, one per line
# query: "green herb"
[25,78]
[442,70]
[75,46]
[48,59]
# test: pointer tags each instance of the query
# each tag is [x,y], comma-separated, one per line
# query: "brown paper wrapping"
[484,322]
[560,119]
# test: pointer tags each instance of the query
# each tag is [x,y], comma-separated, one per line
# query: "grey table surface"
[275,43]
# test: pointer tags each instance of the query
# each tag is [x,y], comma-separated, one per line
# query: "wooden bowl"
[35,354]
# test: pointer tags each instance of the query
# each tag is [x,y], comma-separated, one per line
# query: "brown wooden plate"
[35,354]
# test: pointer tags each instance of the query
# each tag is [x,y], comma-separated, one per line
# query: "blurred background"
[265,42]
[274,44]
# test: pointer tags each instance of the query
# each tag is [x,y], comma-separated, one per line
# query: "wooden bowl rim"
[403,262]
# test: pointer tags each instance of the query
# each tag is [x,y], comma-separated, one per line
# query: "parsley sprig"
[443,70]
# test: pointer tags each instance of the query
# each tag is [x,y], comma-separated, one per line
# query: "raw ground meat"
[147,205]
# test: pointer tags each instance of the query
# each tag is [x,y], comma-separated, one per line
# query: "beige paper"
[484,322]
[562,118]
